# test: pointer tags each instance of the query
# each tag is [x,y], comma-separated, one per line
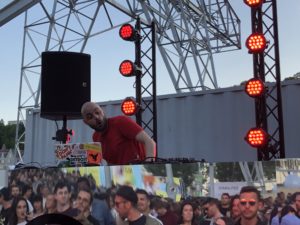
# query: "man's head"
[212,207]
[83,183]
[4,195]
[143,203]
[27,191]
[125,200]
[161,206]
[62,192]
[225,199]
[50,203]
[84,200]
[249,202]
[94,116]
[37,202]
[15,191]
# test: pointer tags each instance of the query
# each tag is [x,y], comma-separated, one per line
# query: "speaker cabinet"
[65,84]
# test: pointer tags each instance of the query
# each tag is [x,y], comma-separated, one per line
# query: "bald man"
[122,140]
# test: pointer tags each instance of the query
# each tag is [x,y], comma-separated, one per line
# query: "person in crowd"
[50,204]
[235,212]
[187,214]
[249,206]
[212,207]
[295,203]
[143,203]
[19,212]
[38,208]
[224,221]
[122,140]
[275,214]
[100,208]
[280,199]
[62,192]
[43,190]
[83,203]
[5,202]
[225,204]
[199,214]
[15,191]
[27,193]
[288,216]
[164,214]
[126,205]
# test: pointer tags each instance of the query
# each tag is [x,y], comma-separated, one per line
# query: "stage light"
[129,107]
[256,43]
[253,3]
[255,87]
[257,137]
[128,33]
[127,68]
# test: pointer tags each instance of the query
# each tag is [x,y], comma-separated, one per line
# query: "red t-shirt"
[118,141]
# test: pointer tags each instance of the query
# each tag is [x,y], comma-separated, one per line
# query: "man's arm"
[149,144]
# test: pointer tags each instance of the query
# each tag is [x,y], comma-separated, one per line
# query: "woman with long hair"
[19,212]
[187,214]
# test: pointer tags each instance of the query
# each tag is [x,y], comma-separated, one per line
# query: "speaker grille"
[65,84]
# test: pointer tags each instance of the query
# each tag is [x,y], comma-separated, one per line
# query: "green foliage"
[8,133]
[228,172]
[186,171]
[231,172]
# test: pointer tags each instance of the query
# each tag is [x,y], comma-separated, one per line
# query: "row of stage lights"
[255,87]
[127,68]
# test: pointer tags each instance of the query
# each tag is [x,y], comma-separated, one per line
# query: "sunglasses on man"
[244,202]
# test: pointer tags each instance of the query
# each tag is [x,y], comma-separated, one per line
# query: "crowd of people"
[32,193]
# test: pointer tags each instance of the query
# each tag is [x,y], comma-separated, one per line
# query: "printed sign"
[78,154]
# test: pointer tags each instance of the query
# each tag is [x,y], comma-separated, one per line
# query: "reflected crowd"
[32,193]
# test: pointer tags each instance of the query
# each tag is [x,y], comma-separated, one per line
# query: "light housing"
[129,107]
[257,137]
[255,87]
[127,32]
[254,3]
[256,43]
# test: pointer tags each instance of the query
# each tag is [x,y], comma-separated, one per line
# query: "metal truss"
[147,92]
[188,33]
[266,66]
[256,175]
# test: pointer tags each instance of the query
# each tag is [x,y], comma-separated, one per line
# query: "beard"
[101,126]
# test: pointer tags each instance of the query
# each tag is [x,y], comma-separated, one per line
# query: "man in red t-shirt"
[122,140]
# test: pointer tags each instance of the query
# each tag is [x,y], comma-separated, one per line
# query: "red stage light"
[254,87]
[256,43]
[253,3]
[127,68]
[129,107]
[257,137]
[127,32]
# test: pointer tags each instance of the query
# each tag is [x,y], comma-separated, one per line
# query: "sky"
[231,67]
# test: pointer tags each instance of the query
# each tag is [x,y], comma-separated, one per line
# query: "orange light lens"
[256,43]
[256,137]
[126,68]
[126,32]
[253,3]
[254,87]
[129,107]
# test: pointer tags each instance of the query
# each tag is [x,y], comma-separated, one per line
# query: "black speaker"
[65,84]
